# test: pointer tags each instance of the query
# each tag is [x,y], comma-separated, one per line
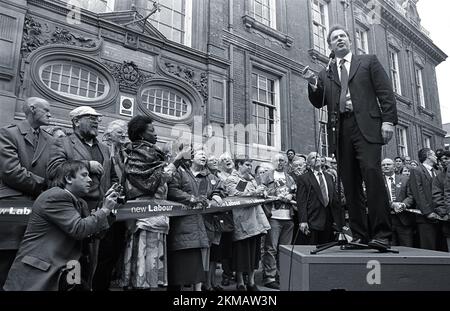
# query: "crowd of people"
[75,180]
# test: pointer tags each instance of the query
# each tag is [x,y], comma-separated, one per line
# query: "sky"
[434,15]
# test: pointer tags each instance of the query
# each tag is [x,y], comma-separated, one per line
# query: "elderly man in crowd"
[23,159]
[83,145]
[403,223]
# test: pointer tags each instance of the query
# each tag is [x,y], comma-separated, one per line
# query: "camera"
[121,193]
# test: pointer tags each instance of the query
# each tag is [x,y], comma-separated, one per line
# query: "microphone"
[331,57]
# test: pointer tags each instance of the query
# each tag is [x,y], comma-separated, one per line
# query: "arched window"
[74,80]
[166,103]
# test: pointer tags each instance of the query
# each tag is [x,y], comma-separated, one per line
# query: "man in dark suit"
[24,152]
[83,145]
[359,96]
[441,196]
[403,222]
[59,221]
[317,203]
[421,184]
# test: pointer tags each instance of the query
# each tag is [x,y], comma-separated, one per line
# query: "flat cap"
[82,111]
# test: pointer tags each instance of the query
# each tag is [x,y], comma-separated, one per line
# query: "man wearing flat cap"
[83,145]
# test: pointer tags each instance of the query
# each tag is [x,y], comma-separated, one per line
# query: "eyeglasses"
[92,118]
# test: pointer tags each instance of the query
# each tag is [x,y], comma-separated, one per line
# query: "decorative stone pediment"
[39,33]
[394,41]
[198,80]
[133,20]
[420,60]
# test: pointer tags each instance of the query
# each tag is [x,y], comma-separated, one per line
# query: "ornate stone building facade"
[227,71]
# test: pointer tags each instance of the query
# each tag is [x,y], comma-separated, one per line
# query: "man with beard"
[83,145]
[23,159]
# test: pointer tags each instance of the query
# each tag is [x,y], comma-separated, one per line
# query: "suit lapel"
[354,65]
[425,172]
[333,74]
[26,130]
[79,147]
[42,143]
[316,186]
[330,186]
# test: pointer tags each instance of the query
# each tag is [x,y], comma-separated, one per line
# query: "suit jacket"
[401,195]
[441,193]
[310,203]
[22,168]
[53,238]
[72,148]
[371,93]
[420,188]
[22,172]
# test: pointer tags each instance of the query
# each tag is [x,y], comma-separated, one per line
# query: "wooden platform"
[363,270]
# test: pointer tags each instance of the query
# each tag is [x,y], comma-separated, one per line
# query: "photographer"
[59,222]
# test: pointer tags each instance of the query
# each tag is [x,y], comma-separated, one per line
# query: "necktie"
[393,198]
[323,189]
[344,86]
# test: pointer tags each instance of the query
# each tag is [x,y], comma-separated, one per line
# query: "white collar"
[348,58]
[428,167]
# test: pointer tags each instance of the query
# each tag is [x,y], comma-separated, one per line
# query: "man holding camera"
[59,225]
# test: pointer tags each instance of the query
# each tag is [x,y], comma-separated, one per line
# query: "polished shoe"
[240,288]
[381,245]
[355,244]
[273,285]
[252,288]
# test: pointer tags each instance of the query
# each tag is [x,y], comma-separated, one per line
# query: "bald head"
[387,166]
[37,111]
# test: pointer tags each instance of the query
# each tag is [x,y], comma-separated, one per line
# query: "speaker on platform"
[126,105]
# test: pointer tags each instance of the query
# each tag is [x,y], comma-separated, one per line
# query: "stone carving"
[189,75]
[128,75]
[33,37]
[131,41]
[31,33]
[64,36]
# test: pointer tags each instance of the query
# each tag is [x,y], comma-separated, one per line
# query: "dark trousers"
[226,242]
[430,234]
[360,160]
[317,237]
[110,249]
[7,257]
[402,235]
